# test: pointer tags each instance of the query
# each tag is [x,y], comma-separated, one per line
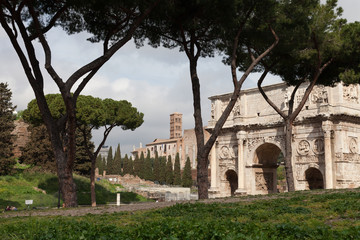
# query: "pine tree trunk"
[202,177]
[288,156]
[66,181]
[92,182]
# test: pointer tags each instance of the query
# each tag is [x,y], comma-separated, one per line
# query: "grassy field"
[43,190]
[299,215]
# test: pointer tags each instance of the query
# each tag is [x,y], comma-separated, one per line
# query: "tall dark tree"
[156,168]
[177,170]
[137,166]
[26,24]
[7,125]
[110,161]
[148,168]
[169,171]
[82,163]
[186,176]
[99,164]
[117,161]
[38,151]
[196,28]
[162,170]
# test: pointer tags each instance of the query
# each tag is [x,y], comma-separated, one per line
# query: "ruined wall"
[22,136]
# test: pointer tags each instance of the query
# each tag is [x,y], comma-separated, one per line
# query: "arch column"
[214,168]
[241,138]
[326,126]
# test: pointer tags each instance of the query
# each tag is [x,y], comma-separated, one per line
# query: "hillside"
[43,190]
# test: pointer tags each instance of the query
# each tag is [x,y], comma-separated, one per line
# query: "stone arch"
[266,154]
[265,167]
[314,178]
[232,181]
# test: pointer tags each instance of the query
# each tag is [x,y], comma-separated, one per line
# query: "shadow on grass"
[103,194]
[4,203]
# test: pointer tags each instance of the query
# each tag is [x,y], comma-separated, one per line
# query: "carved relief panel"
[350,94]
[353,145]
[319,95]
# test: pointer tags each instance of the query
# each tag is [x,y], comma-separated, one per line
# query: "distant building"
[104,151]
[184,144]
[175,125]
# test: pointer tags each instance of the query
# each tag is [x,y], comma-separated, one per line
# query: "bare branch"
[267,99]
[47,50]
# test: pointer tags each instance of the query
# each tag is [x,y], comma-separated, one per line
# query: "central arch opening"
[232,179]
[314,178]
[269,169]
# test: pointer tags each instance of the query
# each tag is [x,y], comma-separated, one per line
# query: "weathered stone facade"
[325,142]
[22,136]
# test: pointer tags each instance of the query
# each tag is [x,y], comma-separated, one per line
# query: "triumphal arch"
[325,142]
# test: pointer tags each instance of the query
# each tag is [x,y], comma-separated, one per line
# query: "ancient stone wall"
[22,136]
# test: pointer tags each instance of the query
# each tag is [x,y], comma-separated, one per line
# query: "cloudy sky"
[156,81]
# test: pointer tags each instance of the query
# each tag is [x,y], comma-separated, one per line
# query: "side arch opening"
[232,179]
[314,178]
[269,170]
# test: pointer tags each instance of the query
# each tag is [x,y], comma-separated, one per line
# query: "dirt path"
[80,211]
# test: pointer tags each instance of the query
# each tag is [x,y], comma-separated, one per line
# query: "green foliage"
[128,166]
[156,167]
[285,217]
[99,164]
[162,170]
[169,171]
[148,173]
[138,165]
[110,162]
[117,161]
[7,161]
[186,177]
[19,115]
[142,169]
[280,173]
[38,152]
[177,171]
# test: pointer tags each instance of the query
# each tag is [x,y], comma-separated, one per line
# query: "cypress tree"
[99,164]
[110,162]
[186,178]
[7,160]
[82,163]
[125,165]
[131,166]
[104,165]
[148,168]
[169,172]
[177,171]
[162,174]
[156,168]
[117,161]
[137,166]
[142,166]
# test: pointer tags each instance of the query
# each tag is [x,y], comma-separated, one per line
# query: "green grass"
[299,215]
[14,190]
